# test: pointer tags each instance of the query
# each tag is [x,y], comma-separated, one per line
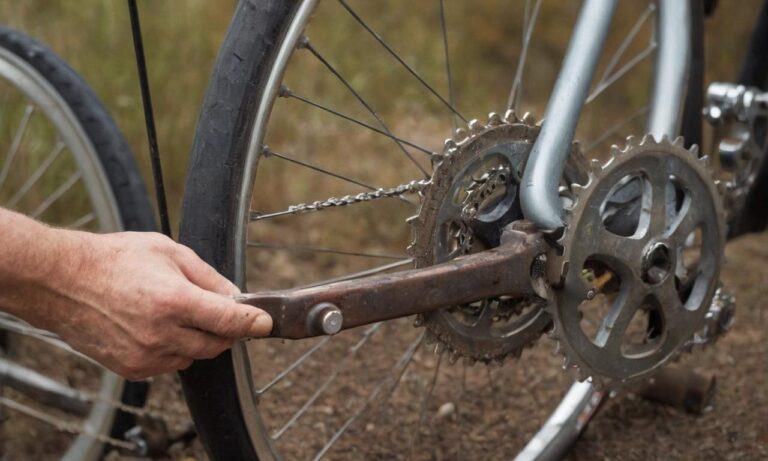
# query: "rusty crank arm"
[327,309]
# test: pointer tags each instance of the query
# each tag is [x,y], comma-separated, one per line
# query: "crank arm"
[327,309]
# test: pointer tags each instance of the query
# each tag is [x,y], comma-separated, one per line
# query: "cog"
[642,251]
[471,197]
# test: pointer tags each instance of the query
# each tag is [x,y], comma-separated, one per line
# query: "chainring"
[627,256]
[471,197]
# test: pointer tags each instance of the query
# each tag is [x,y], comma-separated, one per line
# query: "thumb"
[224,317]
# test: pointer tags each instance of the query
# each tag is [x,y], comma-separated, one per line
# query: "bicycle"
[230,208]
[466,203]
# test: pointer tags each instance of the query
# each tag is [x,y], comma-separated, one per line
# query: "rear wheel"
[352,101]
[64,162]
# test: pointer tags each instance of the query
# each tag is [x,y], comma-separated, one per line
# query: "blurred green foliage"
[182,39]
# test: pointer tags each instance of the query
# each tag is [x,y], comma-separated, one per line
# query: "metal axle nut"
[325,318]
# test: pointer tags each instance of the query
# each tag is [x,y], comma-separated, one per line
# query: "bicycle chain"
[412,187]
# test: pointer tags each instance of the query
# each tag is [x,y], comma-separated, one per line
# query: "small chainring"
[473,194]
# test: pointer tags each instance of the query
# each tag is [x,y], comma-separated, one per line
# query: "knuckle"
[170,299]
[132,372]
[149,342]
[185,252]
[135,375]
[184,363]
[159,242]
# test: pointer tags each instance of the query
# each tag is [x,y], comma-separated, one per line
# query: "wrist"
[37,266]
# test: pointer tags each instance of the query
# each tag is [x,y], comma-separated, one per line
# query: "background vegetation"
[182,39]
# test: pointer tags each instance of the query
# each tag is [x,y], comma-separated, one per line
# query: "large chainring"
[471,197]
[642,251]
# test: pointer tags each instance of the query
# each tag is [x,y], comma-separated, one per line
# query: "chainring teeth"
[466,143]
[582,195]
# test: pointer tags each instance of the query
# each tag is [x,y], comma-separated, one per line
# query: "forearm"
[36,262]
[139,303]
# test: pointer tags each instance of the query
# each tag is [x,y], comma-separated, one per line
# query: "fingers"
[201,345]
[222,316]
[201,274]
[164,364]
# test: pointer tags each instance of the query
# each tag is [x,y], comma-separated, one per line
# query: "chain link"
[412,187]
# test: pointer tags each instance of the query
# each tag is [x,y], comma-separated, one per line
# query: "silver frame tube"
[579,404]
[541,179]
[671,72]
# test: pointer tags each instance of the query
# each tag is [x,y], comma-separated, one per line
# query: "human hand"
[141,304]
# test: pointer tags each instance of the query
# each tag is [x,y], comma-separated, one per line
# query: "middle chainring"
[473,194]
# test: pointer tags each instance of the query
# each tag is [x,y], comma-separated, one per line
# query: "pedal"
[732,109]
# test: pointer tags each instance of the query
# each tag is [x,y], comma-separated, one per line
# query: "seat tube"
[541,179]
[673,35]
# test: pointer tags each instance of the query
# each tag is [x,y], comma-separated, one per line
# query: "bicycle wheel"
[67,164]
[365,102]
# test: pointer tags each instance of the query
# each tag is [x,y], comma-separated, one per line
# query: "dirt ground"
[487,413]
[626,428]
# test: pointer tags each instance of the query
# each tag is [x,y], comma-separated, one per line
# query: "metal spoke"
[43,389]
[16,143]
[287,93]
[82,221]
[65,426]
[9,323]
[342,366]
[55,195]
[604,85]
[313,249]
[36,175]
[517,84]
[365,273]
[397,57]
[627,41]
[448,74]
[298,362]
[424,405]
[399,369]
[616,128]
[267,152]
[306,44]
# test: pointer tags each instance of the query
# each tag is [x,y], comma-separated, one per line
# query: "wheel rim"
[581,401]
[86,181]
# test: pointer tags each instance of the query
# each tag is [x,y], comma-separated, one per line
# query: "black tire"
[216,166]
[114,154]
[754,72]
[209,210]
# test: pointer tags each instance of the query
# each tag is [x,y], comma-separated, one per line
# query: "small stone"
[370,427]
[446,410]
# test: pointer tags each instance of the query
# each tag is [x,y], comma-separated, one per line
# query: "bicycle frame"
[541,179]
[291,309]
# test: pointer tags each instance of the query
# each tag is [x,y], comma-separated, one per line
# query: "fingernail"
[262,325]
[234,289]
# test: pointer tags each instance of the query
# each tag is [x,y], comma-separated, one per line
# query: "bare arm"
[138,303]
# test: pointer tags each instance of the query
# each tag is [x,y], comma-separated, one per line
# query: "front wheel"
[358,98]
